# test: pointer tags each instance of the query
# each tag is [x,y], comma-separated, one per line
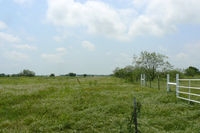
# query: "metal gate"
[189,87]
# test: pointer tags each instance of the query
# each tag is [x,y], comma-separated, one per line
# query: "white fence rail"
[186,87]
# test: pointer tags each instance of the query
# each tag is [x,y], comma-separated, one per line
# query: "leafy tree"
[129,73]
[191,71]
[2,75]
[152,63]
[52,75]
[84,75]
[72,74]
[173,73]
[123,72]
[15,75]
[27,72]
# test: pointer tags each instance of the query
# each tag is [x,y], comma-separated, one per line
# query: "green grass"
[98,104]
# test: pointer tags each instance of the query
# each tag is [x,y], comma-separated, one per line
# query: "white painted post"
[141,80]
[189,88]
[144,79]
[177,85]
[168,89]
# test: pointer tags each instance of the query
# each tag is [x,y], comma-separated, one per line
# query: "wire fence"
[157,83]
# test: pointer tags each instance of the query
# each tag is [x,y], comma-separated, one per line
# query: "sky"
[95,36]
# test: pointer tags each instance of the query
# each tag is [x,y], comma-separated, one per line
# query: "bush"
[15,75]
[52,75]
[129,73]
[191,71]
[72,74]
[27,73]
[2,75]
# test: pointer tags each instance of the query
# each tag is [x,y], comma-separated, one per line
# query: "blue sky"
[95,36]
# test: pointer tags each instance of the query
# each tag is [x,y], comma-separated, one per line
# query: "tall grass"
[97,104]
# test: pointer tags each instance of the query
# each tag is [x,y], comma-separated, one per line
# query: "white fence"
[186,87]
[142,80]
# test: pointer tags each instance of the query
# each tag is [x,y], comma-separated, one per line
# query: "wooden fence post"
[144,79]
[135,114]
[158,82]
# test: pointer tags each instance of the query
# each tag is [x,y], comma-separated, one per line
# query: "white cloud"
[189,55]
[25,47]
[31,39]
[193,48]
[88,45]
[98,17]
[61,50]
[56,57]
[16,56]
[161,17]
[8,37]
[181,56]
[108,53]
[59,38]
[2,25]
[53,58]
[1,44]
[123,60]
[147,17]
[162,49]
[22,2]
[126,57]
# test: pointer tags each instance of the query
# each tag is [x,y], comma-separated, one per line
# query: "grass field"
[97,104]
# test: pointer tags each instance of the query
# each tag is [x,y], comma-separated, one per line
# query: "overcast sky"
[95,36]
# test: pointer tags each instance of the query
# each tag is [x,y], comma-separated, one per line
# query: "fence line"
[187,87]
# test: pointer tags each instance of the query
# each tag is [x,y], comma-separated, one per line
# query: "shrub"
[191,71]
[72,74]
[2,75]
[27,73]
[52,75]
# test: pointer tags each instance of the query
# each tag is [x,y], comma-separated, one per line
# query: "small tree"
[174,72]
[27,72]
[15,75]
[129,73]
[151,63]
[191,71]
[72,74]
[52,75]
[2,75]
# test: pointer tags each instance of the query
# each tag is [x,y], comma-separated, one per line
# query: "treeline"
[133,74]
[153,65]
[29,73]
[26,73]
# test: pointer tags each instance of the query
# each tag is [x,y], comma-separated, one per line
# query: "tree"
[52,75]
[2,75]
[152,63]
[191,71]
[27,72]
[72,74]
[130,73]
[15,75]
